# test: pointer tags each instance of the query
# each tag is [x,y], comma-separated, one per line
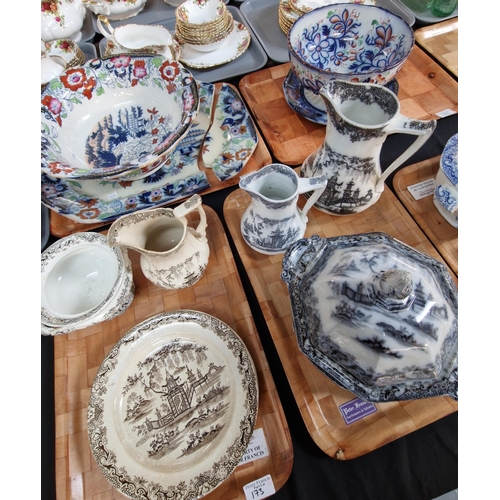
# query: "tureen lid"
[377,316]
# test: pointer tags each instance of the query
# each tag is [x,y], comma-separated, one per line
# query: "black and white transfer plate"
[173,407]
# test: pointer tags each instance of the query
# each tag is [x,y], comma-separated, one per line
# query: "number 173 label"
[260,488]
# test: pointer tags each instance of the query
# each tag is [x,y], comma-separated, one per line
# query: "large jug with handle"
[272,221]
[173,255]
[359,118]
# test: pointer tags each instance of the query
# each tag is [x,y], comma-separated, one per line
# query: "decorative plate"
[449,159]
[375,315]
[309,105]
[235,45]
[232,138]
[173,407]
[89,201]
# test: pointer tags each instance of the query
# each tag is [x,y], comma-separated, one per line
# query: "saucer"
[309,105]
[98,200]
[235,45]
[232,139]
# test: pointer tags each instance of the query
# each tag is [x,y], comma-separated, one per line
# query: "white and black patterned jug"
[359,118]
[272,221]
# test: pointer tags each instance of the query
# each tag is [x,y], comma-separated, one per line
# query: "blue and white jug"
[272,221]
[360,116]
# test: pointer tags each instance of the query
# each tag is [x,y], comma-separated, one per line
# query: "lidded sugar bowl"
[376,316]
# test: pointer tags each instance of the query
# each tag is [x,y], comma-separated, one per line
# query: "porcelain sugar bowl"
[376,316]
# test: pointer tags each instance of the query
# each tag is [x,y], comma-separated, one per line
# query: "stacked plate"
[84,282]
[286,16]
[290,10]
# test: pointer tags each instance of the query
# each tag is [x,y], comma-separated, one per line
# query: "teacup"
[139,38]
[446,190]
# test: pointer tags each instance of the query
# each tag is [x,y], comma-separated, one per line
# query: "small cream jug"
[173,255]
[359,118]
[139,39]
[272,221]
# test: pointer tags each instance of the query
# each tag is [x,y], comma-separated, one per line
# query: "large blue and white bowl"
[348,41]
[115,117]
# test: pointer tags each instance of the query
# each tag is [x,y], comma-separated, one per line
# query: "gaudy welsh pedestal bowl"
[115,117]
[348,41]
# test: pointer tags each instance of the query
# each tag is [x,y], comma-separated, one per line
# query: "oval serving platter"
[173,407]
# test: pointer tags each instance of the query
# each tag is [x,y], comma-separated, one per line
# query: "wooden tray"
[440,40]
[442,234]
[425,89]
[62,226]
[78,355]
[318,398]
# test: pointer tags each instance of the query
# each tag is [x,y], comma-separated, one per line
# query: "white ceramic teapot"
[62,19]
[116,10]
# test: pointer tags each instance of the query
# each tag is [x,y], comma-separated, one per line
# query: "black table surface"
[419,466]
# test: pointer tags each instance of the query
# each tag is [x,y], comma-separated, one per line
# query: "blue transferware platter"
[449,159]
[375,315]
[90,201]
[309,105]
[232,138]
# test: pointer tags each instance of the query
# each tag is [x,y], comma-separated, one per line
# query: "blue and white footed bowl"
[348,41]
[117,116]
[449,160]
[446,190]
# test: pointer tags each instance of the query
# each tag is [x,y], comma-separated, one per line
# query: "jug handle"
[404,125]
[318,185]
[188,206]
[108,31]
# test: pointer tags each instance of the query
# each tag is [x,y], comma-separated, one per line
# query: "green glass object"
[443,8]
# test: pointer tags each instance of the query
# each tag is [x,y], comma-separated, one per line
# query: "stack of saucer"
[286,16]
[203,25]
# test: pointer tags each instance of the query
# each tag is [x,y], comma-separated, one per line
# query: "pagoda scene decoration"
[176,400]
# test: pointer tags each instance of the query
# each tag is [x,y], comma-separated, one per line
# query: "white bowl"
[117,116]
[81,278]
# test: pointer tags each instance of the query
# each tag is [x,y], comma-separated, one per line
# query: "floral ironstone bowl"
[115,117]
[348,41]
